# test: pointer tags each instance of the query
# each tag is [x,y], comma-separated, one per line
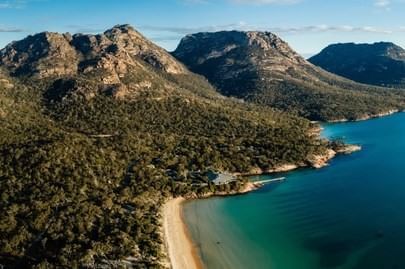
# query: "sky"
[307,25]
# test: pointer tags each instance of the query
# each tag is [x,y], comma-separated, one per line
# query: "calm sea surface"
[348,215]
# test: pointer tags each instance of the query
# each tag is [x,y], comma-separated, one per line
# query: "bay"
[350,214]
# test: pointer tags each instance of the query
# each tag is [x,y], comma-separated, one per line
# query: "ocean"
[349,215]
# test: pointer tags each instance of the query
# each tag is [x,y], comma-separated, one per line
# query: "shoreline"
[317,162]
[180,249]
[179,246]
[367,116]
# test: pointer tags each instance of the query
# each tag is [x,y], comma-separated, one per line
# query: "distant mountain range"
[381,64]
[261,68]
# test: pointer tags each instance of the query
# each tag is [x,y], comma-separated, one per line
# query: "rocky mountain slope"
[380,63]
[260,67]
[122,47]
[121,62]
[97,131]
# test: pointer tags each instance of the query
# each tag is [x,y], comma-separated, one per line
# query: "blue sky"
[308,25]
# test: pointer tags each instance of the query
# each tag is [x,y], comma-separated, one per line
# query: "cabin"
[220,178]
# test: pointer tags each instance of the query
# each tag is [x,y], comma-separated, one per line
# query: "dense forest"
[82,179]
[327,102]
[98,131]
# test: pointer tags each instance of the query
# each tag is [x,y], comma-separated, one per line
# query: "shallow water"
[350,214]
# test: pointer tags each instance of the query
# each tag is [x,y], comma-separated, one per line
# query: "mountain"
[48,54]
[262,68]
[113,58]
[98,131]
[380,63]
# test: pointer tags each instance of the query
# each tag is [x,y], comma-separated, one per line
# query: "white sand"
[179,246]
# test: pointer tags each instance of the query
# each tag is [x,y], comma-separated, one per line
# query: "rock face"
[202,47]
[44,54]
[5,81]
[231,58]
[380,63]
[127,40]
[52,54]
[120,62]
[260,67]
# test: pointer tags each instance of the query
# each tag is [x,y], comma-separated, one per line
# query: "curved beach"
[179,246]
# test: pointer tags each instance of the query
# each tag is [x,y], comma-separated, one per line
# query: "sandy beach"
[179,246]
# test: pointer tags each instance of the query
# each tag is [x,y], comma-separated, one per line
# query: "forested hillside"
[98,131]
[260,67]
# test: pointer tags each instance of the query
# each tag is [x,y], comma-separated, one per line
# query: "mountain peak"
[380,63]
[262,68]
[258,50]
[52,54]
[43,54]
[263,40]
[381,48]
[122,29]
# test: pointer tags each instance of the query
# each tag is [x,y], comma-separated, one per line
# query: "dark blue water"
[348,215]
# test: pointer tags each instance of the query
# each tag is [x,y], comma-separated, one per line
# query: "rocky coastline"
[368,116]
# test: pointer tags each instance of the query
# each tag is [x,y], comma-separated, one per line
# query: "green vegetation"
[327,100]
[261,68]
[100,134]
[82,179]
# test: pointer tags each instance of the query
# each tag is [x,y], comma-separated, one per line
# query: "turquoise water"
[348,215]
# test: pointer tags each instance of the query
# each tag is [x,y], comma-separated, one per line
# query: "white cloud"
[85,29]
[195,1]
[266,2]
[7,4]
[253,2]
[386,4]
[382,3]
[4,4]
[330,28]
[173,32]
[189,30]
[10,30]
